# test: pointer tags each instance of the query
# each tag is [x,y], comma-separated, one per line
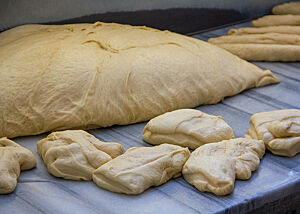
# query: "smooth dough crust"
[275,20]
[213,167]
[268,38]
[187,127]
[280,130]
[140,168]
[86,76]
[264,52]
[13,159]
[262,30]
[287,8]
[75,154]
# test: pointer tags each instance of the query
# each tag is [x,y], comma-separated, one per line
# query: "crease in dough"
[214,167]
[280,130]
[188,128]
[140,168]
[13,159]
[263,30]
[75,154]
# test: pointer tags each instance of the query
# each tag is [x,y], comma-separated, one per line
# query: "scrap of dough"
[75,154]
[287,8]
[264,52]
[83,76]
[187,127]
[141,167]
[213,167]
[275,20]
[262,30]
[13,159]
[280,130]
[268,38]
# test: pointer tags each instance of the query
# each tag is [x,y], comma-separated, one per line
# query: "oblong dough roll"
[268,38]
[262,30]
[287,8]
[187,127]
[264,52]
[140,168]
[86,76]
[275,20]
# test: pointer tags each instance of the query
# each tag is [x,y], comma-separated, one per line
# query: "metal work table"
[273,188]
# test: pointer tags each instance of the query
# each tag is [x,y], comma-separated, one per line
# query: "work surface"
[275,185]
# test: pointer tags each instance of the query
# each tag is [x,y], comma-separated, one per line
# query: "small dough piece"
[280,130]
[13,159]
[214,167]
[140,168]
[262,30]
[264,52]
[187,127]
[75,154]
[275,20]
[268,38]
[287,8]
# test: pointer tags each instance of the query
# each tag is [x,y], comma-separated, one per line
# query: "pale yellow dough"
[264,52]
[213,167]
[280,130]
[287,8]
[267,38]
[262,30]
[75,154]
[13,159]
[187,127]
[275,20]
[140,168]
[85,76]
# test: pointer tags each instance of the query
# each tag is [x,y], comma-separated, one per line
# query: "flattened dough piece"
[75,154]
[187,127]
[213,167]
[82,76]
[140,168]
[262,30]
[287,8]
[267,38]
[264,52]
[280,130]
[275,20]
[13,159]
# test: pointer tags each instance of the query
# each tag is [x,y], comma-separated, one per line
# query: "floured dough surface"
[85,76]
[287,8]
[13,159]
[263,30]
[140,168]
[75,154]
[187,127]
[280,130]
[275,20]
[213,167]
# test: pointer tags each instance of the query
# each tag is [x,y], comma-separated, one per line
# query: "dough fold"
[287,8]
[213,167]
[13,159]
[188,128]
[263,30]
[280,130]
[140,168]
[75,154]
[83,76]
[275,20]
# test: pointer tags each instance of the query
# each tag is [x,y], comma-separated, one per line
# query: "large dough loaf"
[287,8]
[97,75]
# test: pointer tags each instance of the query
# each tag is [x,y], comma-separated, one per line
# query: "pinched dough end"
[140,168]
[187,127]
[13,159]
[280,130]
[75,154]
[214,167]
